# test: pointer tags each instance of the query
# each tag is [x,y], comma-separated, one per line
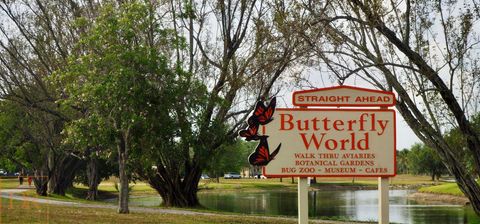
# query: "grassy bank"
[248,184]
[286,184]
[107,188]
[446,188]
[404,179]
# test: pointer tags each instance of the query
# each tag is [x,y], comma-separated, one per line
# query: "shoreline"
[318,187]
[432,198]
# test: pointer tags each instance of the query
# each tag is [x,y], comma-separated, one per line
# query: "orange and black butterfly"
[251,133]
[261,156]
[263,114]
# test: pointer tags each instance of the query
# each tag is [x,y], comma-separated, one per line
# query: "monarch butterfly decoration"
[261,115]
[251,133]
[262,156]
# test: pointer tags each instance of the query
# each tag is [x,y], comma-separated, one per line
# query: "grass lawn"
[248,184]
[403,179]
[12,211]
[447,188]
[138,188]
[9,182]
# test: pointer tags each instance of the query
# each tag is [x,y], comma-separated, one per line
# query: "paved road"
[15,194]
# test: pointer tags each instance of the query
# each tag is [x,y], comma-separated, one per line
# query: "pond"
[346,204]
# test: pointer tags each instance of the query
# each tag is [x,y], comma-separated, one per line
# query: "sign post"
[383,213]
[302,191]
[303,200]
[331,141]
[383,202]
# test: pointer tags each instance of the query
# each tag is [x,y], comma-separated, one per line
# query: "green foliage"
[232,158]
[457,141]
[8,165]
[125,90]
[120,82]
[20,134]
[424,160]
[402,161]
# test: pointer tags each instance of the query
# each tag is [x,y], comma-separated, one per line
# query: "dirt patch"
[438,198]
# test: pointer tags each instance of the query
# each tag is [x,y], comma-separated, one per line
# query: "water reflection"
[353,205]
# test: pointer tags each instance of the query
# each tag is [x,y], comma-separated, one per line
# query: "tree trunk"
[62,173]
[469,187]
[123,195]
[40,180]
[176,197]
[52,179]
[174,191]
[93,178]
[122,162]
[40,186]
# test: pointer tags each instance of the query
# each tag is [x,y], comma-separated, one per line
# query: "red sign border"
[343,105]
[341,110]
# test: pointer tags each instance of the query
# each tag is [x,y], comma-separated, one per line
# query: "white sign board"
[332,142]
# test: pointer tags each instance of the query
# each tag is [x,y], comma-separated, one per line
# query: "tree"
[236,66]
[457,141]
[122,81]
[424,160]
[402,161]
[28,138]
[424,51]
[37,37]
